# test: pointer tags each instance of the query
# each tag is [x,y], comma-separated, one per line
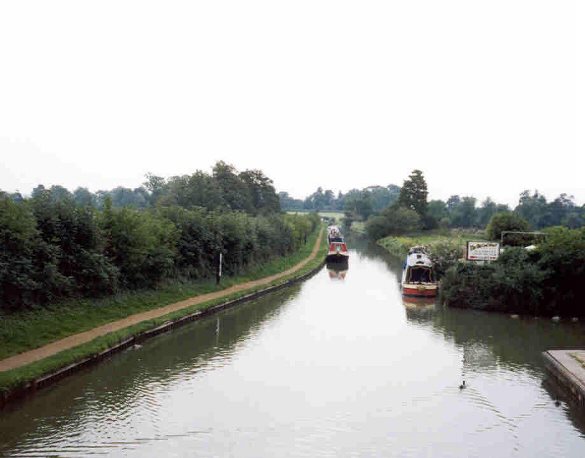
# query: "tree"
[16,197]
[437,209]
[452,203]
[392,221]
[533,208]
[560,208]
[383,196]
[358,205]
[234,190]
[574,220]
[142,245]
[464,214]
[507,221]
[197,190]
[74,241]
[413,194]
[485,212]
[561,211]
[156,186]
[261,188]
[289,203]
[318,200]
[19,278]
[126,197]
[83,197]
[197,242]
[57,245]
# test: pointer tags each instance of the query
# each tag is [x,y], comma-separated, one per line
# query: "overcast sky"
[485,97]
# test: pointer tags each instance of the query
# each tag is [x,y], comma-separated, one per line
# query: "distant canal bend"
[337,366]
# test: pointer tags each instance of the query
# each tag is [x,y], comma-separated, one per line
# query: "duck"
[462,385]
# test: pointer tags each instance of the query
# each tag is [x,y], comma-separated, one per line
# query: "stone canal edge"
[567,368]
[76,340]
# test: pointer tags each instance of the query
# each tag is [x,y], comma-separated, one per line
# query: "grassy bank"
[359,228]
[399,245]
[24,331]
[338,216]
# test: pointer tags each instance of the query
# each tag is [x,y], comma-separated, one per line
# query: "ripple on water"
[314,376]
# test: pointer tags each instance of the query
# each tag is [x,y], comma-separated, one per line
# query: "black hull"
[336,259]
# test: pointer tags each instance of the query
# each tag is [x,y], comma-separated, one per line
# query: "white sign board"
[482,251]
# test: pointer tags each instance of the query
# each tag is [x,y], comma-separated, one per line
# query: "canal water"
[340,365]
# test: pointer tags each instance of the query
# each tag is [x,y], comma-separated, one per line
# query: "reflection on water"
[342,368]
[122,389]
[418,304]
[337,270]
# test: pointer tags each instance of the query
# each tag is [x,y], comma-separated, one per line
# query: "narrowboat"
[333,232]
[418,275]
[337,247]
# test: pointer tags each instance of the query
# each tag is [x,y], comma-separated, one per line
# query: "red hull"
[416,291]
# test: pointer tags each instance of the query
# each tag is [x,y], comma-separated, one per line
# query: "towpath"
[75,340]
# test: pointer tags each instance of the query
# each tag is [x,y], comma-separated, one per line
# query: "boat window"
[420,275]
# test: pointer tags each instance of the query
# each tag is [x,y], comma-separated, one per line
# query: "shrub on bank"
[505,221]
[549,280]
[52,250]
[562,255]
[445,254]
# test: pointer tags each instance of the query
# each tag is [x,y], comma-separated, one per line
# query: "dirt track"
[53,348]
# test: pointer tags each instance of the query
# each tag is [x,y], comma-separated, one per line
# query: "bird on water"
[462,385]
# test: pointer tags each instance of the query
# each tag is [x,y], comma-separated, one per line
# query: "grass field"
[338,216]
[358,227]
[398,246]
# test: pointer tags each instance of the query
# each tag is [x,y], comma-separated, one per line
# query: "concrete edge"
[53,377]
[571,384]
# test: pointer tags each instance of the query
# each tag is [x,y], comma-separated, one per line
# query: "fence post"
[218,268]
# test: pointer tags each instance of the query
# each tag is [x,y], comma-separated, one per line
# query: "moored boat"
[337,247]
[333,232]
[418,275]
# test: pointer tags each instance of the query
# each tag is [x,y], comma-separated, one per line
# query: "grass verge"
[62,320]
[398,246]
[358,227]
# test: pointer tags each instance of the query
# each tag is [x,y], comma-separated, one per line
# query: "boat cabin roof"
[417,249]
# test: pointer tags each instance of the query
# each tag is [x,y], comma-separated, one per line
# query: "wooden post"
[218,269]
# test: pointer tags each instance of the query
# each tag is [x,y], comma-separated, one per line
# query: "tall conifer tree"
[413,194]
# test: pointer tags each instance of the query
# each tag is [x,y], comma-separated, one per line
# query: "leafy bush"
[53,248]
[545,281]
[19,241]
[467,285]
[505,221]
[445,254]
[562,256]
